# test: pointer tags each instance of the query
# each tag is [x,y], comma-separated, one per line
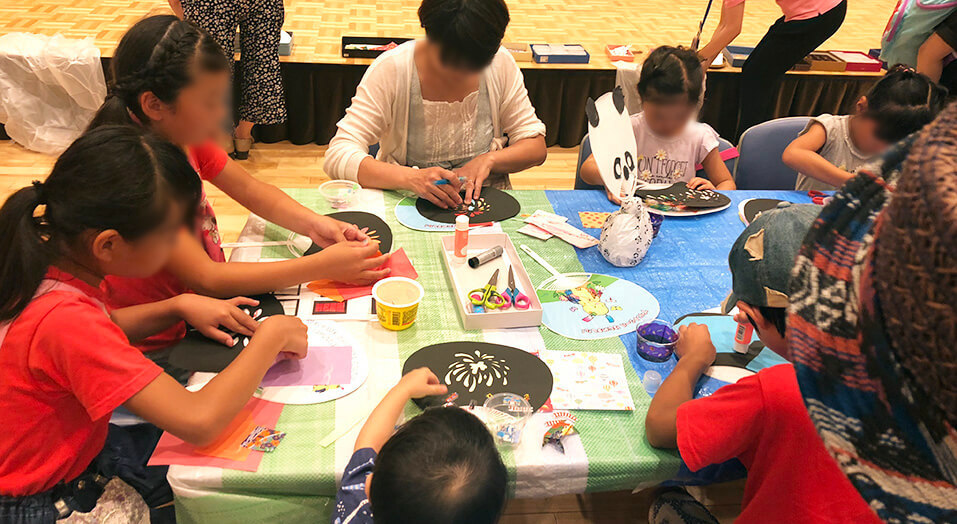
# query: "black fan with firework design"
[494,205]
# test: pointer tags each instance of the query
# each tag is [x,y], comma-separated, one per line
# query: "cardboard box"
[560,54]
[463,279]
[520,52]
[824,61]
[858,61]
[285,42]
[368,46]
[739,54]
[615,55]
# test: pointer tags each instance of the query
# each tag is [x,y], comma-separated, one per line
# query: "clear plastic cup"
[340,193]
[506,415]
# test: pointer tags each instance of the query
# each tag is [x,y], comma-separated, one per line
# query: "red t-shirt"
[64,367]
[762,422]
[208,160]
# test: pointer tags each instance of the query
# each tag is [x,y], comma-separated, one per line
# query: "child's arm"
[274,205]
[802,156]
[695,354]
[200,417]
[203,313]
[717,172]
[930,58]
[351,262]
[177,8]
[591,175]
[379,426]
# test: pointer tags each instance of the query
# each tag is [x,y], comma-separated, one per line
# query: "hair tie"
[41,196]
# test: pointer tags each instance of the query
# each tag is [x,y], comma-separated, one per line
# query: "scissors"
[817,197]
[487,297]
[514,297]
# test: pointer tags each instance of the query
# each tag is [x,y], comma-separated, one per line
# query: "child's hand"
[694,345]
[700,183]
[614,200]
[351,262]
[325,231]
[420,383]
[286,333]
[209,315]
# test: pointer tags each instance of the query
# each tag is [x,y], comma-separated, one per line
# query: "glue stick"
[742,337]
[460,249]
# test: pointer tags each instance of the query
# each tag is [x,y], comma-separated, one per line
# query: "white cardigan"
[379,112]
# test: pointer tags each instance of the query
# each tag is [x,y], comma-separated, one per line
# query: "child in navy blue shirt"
[441,466]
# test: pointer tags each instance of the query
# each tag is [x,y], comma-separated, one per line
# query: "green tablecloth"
[297,482]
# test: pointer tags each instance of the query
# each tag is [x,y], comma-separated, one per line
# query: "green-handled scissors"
[487,297]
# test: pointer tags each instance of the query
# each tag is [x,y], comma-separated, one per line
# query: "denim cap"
[762,257]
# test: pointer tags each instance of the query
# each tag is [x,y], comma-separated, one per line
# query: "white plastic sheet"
[50,88]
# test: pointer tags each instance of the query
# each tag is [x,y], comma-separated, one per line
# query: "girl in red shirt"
[113,205]
[173,78]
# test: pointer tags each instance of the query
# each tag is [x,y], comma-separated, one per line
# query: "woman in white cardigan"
[451,107]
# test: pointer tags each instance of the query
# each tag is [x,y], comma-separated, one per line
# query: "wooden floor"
[287,165]
[318,25]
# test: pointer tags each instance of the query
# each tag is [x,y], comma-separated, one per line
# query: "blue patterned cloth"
[352,504]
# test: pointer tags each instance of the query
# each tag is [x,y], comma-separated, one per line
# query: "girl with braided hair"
[171,77]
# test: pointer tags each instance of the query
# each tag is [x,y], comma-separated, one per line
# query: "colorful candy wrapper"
[450,400]
[559,425]
[263,439]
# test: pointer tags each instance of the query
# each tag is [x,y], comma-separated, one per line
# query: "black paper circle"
[755,206]
[494,205]
[476,370]
[198,353]
[680,194]
[377,228]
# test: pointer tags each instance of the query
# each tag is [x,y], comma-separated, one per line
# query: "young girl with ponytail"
[172,78]
[112,206]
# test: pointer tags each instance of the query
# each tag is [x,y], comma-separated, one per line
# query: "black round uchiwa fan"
[473,371]
[377,229]
[494,205]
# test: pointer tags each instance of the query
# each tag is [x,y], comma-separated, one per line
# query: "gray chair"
[761,146]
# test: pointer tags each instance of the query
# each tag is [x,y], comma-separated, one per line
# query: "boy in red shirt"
[761,420]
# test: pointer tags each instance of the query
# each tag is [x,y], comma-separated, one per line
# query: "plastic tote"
[50,88]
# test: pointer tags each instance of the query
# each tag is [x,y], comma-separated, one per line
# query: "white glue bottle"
[742,337]
[461,245]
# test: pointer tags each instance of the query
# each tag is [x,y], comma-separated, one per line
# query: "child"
[831,148]
[441,466]
[874,319]
[172,78]
[112,205]
[760,420]
[670,141]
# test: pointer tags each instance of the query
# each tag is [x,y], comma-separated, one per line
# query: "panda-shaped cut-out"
[613,141]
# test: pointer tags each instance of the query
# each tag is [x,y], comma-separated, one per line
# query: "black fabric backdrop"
[317,96]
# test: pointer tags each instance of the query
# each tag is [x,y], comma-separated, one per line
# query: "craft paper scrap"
[264,439]
[592,219]
[229,444]
[588,381]
[171,450]
[321,365]
[566,232]
[535,231]
[398,263]
[545,215]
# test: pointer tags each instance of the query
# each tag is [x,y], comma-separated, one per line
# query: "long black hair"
[671,72]
[114,177]
[159,54]
[903,101]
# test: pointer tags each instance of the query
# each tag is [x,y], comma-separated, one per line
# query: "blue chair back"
[731,163]
[584,151]
[761,147]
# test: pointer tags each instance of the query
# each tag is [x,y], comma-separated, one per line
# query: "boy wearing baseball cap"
[760,420]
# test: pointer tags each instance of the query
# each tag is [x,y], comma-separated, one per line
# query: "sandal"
[241,148]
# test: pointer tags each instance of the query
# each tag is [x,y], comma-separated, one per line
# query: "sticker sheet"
[588,381]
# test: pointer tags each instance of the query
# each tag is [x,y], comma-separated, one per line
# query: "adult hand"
[352,262]
[700,183]
[476,171]
[325,231]
[694,345]
[421,382]
[422,183]
[287,334]
[209,315]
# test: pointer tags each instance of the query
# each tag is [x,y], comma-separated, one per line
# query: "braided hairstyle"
[671,72]
[903,101]
[159,54]
[114,177]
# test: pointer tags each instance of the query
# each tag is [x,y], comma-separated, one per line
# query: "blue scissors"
[487,298]
[514,297]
